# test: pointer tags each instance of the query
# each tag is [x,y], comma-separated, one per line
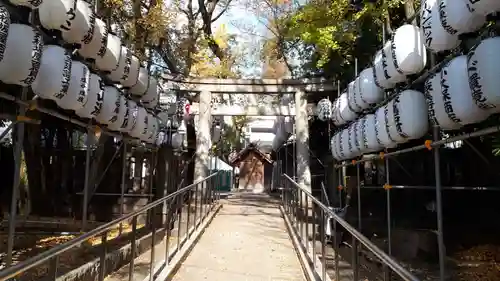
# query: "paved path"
[246,241]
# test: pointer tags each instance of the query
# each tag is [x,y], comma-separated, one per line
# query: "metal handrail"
[385,258]
[55,251]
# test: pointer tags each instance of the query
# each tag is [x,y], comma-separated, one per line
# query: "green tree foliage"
[339,32]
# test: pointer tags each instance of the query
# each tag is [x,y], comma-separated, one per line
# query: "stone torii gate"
[251,97]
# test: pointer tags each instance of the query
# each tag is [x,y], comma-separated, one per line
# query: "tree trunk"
[35,169]
[410,11]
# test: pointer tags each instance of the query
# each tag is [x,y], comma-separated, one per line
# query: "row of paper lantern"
[78,24]
[404,118]
[442,21]
[464,92]
[404,54]
[52,74]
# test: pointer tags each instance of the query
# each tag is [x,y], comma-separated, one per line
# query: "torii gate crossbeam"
[300,109]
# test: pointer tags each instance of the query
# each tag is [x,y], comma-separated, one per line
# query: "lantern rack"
[432,144]
[125,145]
[432,70]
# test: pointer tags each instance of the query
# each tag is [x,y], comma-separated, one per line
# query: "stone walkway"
[246,241]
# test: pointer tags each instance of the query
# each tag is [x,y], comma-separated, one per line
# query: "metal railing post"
[325,214]
[53,253]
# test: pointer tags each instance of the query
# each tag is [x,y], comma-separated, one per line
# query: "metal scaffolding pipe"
[85,200]
[63,117]
[18,147]
[478,133]
[439,207]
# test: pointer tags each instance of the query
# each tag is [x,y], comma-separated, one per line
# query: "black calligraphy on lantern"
[70,16]
[36,59]
[475,82]
[445,90]
[66,77]
[443,16]
[84,85]
[4,29]
[397,117]
[426,23]
[90,33]
[384,65]
[386,119]
[104,42]
[428,89]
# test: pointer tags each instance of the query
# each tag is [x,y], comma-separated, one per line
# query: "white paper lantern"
[141,86]
[370,93]
[147,132]
[484,7]
[119,122]
[345,112]
[153,127]
[118,75]
[382,129]
[127,115]
[457,95]
[337,145]
[352,93]
[77,95]
[408,50]
[133,73]
[333,147]
[344,144]
[4,29]
[54,75]
[435,36]
[353,141]
[360,102]
[132,117]
[95,97]
[82,27]
[95,44]
[141,123]
[370,134]
[483,65]
[360,136]
[57,14]
[435,104]
[22,55]
[33,4]
[380,77]
[110,106]
[457,18]
[336,118]
[108,60]
[340,145]
[150,99]
[392,121]
[410,115]
[391,72]
[324,110]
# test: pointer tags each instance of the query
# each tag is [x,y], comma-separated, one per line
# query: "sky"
[237,17]
[234,20]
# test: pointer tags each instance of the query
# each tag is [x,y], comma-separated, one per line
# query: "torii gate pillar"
[302,140]
[203,138]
